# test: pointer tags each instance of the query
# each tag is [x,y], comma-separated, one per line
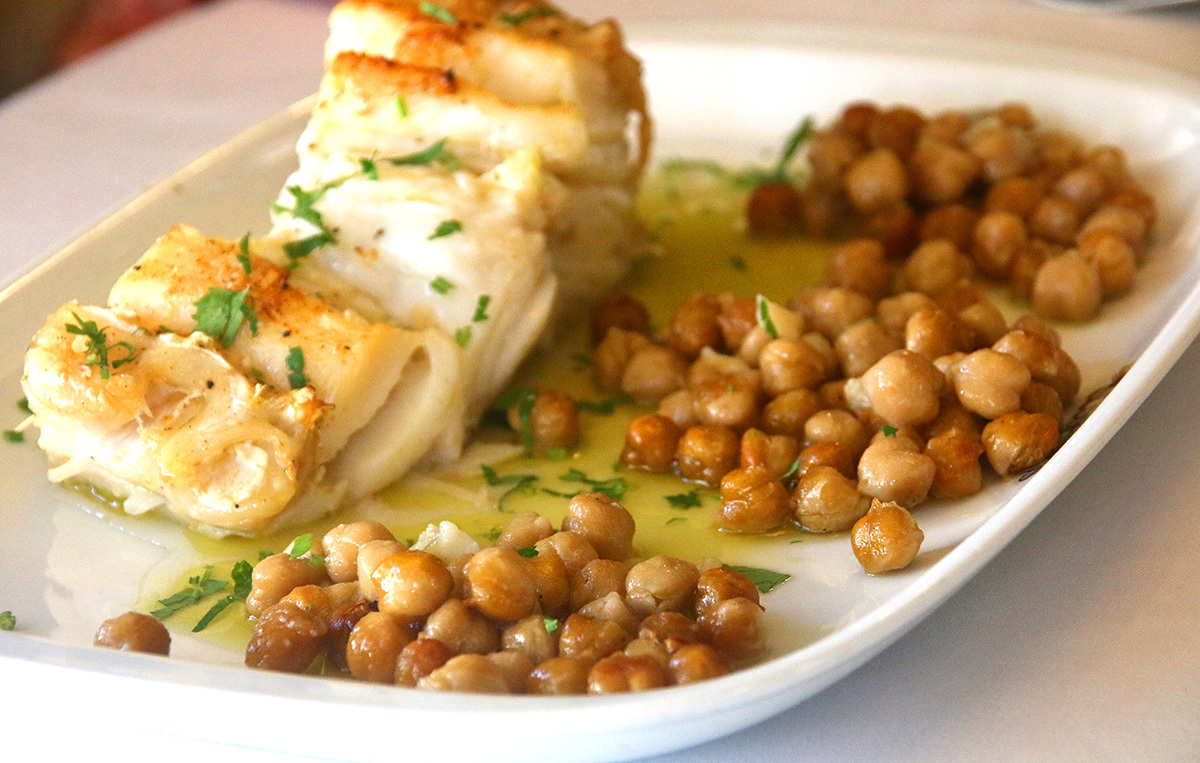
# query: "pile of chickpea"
[958,192]
[540,612]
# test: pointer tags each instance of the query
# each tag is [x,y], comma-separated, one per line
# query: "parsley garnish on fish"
[462,336]
[23,406]
[243,255]
[13,435]
[441,285]
[295,366]
[435,153]
[220,313]
[481,307]
[446,228]
[368,168]
[98,347]
[402,107]
[513,19]
[438,12]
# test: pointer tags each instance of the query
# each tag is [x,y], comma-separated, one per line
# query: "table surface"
[1080,641]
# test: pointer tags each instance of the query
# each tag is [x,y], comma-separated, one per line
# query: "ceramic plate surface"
[724,94]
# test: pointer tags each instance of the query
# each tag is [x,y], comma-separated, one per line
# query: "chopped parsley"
[441,285]
[603,407]
[614,488]
[298,250]
[8,622]
[438,12]
[481,306]
[220,313]
[23,406]
[492,535]
[445,228]
[675,520]
[514,19]
[435,153]
[462,336]
[556,454]
[241,575]
[798,137]
[738,263]
[550,623]
[795,467]
[301,546]
[243,255]
[522,482]
[369,168]
[295,366]
[889,430]
[763,313]
[402,107]
[13,435]
[764,580]
[98,347]
[523,398]
[528,552]
[199,587]
[689,500]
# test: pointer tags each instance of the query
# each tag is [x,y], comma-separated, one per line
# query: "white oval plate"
[720,93]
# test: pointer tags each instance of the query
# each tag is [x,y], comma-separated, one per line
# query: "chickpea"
[906,438]
[697,662]
[587,638]
[680,408]
[713,365]
[341,624]
[669,631]
[641,647]
[314,598]
[831,454]
[856,119]
[650,443]
[734,626]
[613,354]
[1124,222]
[832,310]
[952,222]
[727,401]
[1016,115]
[661,584]
[340,546]
[903,388]
[1038,354]
[898,228]
[550,579]
[1066,382]
[948,126]
[574,550]
[827,501]
[553,420]
[462,629]
[374,648]
[786,414]
[499,585]
[775,453]
[133,632]
[1018,195]
[617,310]
[1110,161]
[413,584]
[830,154]
[953,417]
[894,470]
[595,580]
[1018,441]
[941,173]
[772,209]
[1134,198]
[524,529]
[653,373]
[530,637]
[694,325]
[621,673]
[275,577]
[1056,149]
[286,638]
[736,320]
[605,523]
[990,383]
[894,312]
[1056,220]
[1026,265]
[468,673]
[876,181]
[721,584]
[934,332]
[895,128]
[707,453]
[862,345]
[559,675]
[1004,152]
[612,608]
[1041,398]
[958,297]
[956,462]
[1068,287]
[935,266]
[1034,325]
[1083,186]
[998,238]
[1114,259]
[839,427]
[789,364]
[860,265]
[820,209]
[886,539]
[986,323]
[751,501]
[420,658]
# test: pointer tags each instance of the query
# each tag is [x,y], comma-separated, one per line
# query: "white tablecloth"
[1081,641]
